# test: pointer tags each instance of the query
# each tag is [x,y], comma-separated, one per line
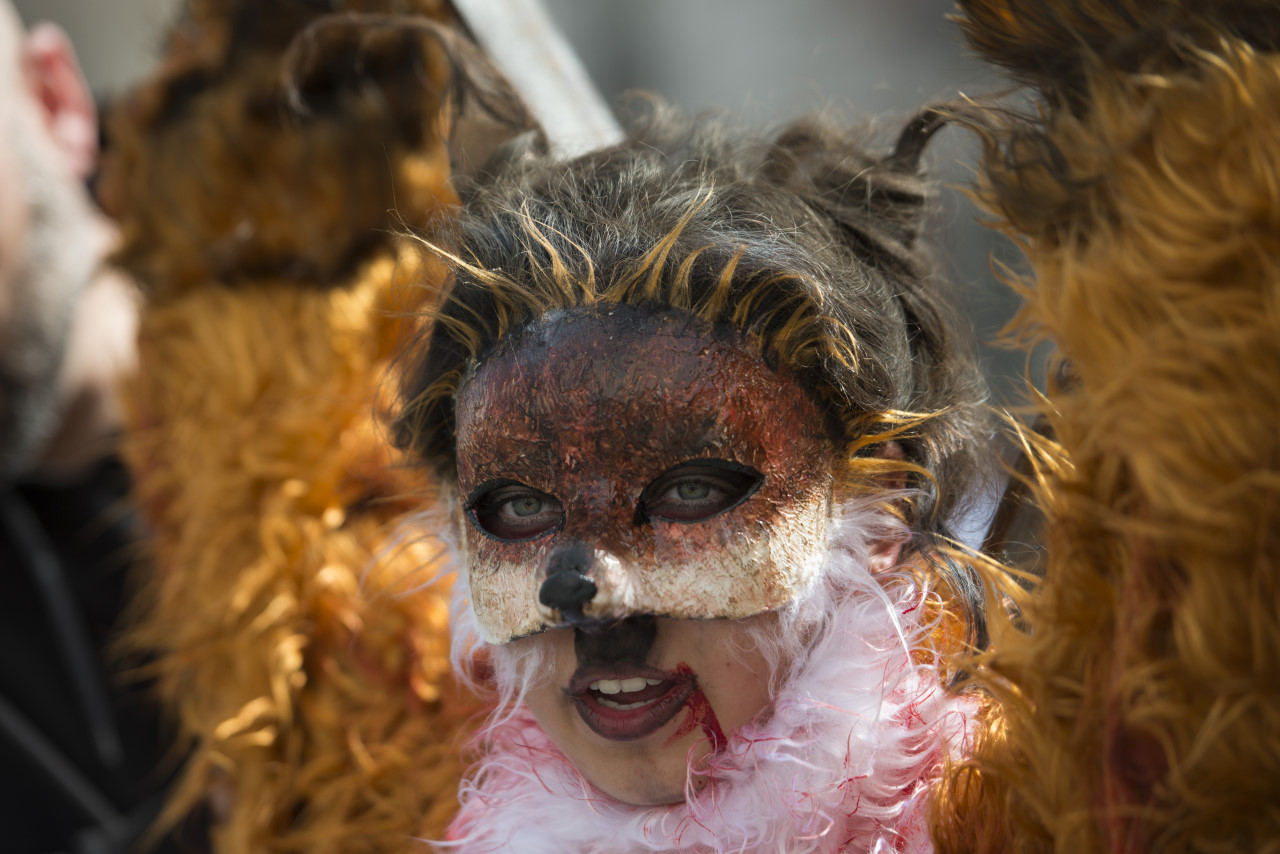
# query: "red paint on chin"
[700,714]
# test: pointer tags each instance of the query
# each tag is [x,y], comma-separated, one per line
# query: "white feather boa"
[842,760]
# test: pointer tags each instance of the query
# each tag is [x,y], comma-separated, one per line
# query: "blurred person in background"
[66,324]
[78,746]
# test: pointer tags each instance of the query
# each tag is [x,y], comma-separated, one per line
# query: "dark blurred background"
[767,61]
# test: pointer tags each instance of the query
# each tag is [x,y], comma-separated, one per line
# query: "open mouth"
[625,703]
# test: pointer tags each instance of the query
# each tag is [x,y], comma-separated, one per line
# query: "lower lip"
[633,724]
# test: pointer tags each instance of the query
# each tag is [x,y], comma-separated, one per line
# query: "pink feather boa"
[842,761]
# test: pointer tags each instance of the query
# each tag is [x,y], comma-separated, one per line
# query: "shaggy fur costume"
[841,761]
[1141,689]
[304,661]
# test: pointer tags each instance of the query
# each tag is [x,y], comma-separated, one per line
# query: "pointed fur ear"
[915,137]
[878,204]
[338,56]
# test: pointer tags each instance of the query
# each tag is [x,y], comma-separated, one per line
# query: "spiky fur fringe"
[842,760]
[1141,690]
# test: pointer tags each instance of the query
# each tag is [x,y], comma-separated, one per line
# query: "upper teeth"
[619,686]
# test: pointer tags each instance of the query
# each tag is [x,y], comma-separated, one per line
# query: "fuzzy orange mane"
[298,636]
[1139,688]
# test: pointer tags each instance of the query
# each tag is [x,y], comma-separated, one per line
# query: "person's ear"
[886,557]
[55,81]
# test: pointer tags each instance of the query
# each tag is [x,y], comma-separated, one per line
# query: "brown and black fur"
[291,140]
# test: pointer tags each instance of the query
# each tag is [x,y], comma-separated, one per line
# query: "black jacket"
[82,769]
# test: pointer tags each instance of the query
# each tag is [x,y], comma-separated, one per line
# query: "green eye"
[512,511]
[527,505]
[693,490]
[697,490]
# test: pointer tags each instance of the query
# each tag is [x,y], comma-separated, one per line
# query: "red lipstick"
[623,702]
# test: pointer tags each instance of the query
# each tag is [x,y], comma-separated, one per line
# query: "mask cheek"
[730,567]
[503,582]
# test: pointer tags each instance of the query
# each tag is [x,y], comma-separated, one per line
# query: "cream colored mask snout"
[617,461]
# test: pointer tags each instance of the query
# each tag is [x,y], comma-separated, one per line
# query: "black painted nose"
[567,591]
[567,587]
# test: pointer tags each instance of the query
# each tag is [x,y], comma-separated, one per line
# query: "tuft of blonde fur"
[1140,687]
[800,333]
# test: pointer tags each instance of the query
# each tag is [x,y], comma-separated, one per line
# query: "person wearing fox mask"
[706,419]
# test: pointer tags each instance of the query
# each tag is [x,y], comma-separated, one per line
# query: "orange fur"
[296,638]
[1140,689]
[295,641]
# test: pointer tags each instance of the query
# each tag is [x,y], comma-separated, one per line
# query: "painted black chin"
[626,641]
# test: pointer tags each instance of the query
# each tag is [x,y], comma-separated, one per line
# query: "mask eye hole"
[510,511]
[697,490]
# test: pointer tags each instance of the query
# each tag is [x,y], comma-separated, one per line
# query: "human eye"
[513,511]
[697,490]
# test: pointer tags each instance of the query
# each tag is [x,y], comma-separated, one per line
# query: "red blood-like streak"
[700,713]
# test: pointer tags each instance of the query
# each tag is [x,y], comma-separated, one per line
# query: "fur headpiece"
[239,160]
